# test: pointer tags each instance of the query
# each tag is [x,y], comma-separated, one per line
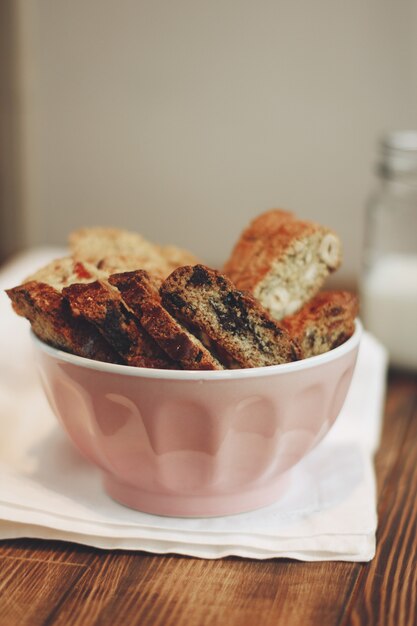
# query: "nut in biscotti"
[283,261]
[239,327]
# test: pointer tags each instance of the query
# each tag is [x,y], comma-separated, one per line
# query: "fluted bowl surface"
[188,443]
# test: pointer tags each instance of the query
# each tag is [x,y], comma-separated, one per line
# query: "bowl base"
[177,505]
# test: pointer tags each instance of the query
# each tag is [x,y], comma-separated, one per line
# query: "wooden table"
[50,583]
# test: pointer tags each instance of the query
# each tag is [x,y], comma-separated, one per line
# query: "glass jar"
[388,286]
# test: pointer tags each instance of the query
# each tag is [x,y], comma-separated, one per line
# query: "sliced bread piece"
[64,271]
[117,250]
[52,321]
[234,321]
[118,263]
[39,299]
[283,261]
[102,305]
[140,292]
[324,323]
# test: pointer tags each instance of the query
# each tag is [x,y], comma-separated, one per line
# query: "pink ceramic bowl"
[189,443]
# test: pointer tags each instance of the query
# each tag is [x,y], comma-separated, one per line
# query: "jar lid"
[399,152]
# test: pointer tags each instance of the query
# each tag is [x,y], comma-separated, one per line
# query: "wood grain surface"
[54,583]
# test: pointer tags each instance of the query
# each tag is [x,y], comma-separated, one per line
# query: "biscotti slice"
[118,263]
[117,250]
[283,261]
[64,271]
[103,306]
[234,321]
[52,321]
[324,323]
[140,292]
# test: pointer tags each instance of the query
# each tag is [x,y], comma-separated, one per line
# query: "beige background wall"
[11,235]
[184,119]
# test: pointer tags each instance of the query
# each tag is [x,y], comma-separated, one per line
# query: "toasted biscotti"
[102,305]
[64,271]
[39,300]
[118,263]
[324,323]
[52,321]
[283,261]
[140,292]
[92,244]
[117,250]
[173,257]
[234,321]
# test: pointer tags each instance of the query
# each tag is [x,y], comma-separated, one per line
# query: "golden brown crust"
[324,323]
[267,238]
[140,293]
[51,320]
[234,321]
[256,247]
[103,306]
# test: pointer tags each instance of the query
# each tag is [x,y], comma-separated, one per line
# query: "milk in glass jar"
[388,285]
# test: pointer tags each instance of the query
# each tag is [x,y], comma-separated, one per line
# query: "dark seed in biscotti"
[199,277]
[227,319]
[121,339]
[232,299]
[294,354]
[221,282]
[311,338]
[271,325]
[341,338]
[175,300]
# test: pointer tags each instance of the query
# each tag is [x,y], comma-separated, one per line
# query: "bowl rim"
[232,374]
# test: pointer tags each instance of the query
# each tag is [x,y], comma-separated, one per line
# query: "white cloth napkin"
[47,490]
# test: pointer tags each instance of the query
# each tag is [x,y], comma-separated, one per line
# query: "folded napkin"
[48,491]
